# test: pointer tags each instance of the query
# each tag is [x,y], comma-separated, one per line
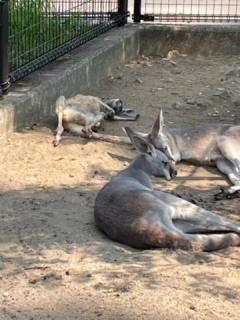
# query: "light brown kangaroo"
[82,114]
[208,145]
[130,211]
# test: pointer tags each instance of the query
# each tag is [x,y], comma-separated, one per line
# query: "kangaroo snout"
[173,173]
[172,169]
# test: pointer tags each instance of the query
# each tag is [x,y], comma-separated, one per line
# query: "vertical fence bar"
[137,10]
[122,10]
[4,67]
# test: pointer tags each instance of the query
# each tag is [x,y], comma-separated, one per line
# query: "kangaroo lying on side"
[211,145]
[82,114]
[128,210]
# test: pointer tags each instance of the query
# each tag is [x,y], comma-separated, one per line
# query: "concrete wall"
[33,98]
[191,39]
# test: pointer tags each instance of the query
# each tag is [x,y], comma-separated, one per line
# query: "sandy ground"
[54,264]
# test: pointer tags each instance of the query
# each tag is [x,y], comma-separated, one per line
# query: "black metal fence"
[204,11]
[35,32]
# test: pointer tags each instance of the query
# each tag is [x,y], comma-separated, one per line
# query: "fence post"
[4,67]
[123,11]
[137,10]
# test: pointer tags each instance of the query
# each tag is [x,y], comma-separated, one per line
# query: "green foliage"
[36,27]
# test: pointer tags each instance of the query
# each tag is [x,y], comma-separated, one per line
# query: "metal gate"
[36,32]
[187,11]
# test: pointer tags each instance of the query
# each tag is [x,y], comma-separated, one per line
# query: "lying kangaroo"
[211,145]
[128,210]
[81,114]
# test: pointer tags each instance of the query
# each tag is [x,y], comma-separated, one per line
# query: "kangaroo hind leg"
[229,147]
[60,105]
[227,167]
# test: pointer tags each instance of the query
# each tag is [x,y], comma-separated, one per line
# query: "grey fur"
[208,145]
[130,211]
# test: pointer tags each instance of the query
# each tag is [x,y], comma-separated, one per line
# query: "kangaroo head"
[116,105]
[159,138]
[157,162]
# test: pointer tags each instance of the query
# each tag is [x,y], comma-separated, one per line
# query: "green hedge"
[36,28]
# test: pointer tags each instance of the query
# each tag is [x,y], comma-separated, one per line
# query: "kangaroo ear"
[161,120]
[144,147]
[140,143]
[130,133]
[158,125]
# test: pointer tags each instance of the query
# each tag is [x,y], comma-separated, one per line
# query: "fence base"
[4,69]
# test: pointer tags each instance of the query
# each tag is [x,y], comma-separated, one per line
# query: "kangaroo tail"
[193,242]
[212,242]
[110,138]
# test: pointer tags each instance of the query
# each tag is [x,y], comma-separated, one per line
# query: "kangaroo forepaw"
[87,133]
[56,142]
[226,193]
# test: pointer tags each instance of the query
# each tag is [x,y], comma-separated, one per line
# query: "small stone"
[173,62]
[236,102]
[192,307]
[176,105]
[176,71]
[190,101]
[201,104]
[139,81]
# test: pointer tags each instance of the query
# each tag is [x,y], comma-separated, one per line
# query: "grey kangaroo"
[210,145]
[130,211]
[82,114]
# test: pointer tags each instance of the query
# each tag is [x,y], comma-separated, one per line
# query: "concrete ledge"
[33,99]
[190,39]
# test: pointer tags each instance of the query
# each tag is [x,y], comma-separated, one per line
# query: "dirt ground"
[54,263]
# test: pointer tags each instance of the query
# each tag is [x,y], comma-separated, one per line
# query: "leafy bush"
[37,27]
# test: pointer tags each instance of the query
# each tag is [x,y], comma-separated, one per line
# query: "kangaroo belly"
[201,148]
[200,144]
[133,217]
[77,115]
[205,157]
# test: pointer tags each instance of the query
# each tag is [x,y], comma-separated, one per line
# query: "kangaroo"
[207,145]
[128,210]
[82,114]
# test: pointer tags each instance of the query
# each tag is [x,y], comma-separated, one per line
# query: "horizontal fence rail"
[203,11]
[35,32]
[42,30]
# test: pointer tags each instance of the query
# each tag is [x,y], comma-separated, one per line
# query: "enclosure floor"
[54,264]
